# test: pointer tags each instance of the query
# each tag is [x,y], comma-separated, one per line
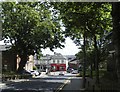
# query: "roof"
[70,57]
[58,56]
[74,61]
[46,57]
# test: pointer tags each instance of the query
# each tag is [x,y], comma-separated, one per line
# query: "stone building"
[29,65]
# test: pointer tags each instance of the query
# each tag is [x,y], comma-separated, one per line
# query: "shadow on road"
[34,85]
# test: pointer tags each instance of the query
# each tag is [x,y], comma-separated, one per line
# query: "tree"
[30,27]
[93,19]
[116,35]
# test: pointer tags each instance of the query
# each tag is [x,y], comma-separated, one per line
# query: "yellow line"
[61,86]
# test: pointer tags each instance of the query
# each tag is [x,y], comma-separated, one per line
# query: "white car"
[61,73]
[34,72]
[74,71]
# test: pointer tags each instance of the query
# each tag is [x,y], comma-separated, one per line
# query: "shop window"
[62,68]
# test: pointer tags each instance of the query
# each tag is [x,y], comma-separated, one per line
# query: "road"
[74,85]
[49,83]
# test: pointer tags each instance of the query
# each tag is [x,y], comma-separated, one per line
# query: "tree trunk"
[84,62]
[22,63]
[111,67]
[91,70]
[96,60]
[116,34]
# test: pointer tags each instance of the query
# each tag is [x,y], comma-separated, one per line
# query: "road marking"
[62,86]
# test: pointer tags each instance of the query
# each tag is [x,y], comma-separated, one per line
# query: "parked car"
[61,73]
[80,68]
[69,70]
[74,71]
[25,72]
[34,72]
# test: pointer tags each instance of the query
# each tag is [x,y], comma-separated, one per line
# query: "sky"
[69,49]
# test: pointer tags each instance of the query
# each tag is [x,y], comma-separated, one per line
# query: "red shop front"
[58,67]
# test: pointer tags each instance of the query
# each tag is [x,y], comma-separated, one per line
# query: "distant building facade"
[56,62]
[42,63]
[29,64]
[74,64]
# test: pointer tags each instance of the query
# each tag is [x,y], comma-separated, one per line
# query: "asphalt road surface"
[37,84]
[44,84]
[74,85]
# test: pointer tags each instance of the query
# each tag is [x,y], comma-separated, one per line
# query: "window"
[62,61]
[53,61]
[57,61]
[62,68]
[53,68]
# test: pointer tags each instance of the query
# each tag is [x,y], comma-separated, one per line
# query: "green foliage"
[90,22]
[101,72]
[93,18]
[31,26]
[34,68]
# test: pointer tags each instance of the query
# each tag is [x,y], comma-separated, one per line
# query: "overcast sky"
[70,49]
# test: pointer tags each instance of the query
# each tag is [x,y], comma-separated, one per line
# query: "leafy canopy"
[77,17]
[31,26]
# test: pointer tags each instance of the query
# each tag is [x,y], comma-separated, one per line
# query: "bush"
[9,76]
[34,68]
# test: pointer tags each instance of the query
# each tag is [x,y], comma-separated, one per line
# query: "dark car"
[69,70]
[61,73]
[74,71]
[25,72]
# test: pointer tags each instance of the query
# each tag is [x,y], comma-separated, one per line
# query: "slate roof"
[58,56]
